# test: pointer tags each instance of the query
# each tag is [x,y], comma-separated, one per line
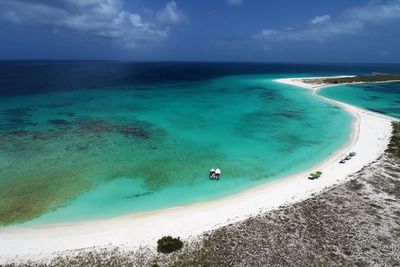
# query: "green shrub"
[168,244]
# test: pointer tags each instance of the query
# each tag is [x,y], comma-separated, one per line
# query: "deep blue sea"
[90,140]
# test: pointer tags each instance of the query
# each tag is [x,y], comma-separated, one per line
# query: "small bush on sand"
[168,244]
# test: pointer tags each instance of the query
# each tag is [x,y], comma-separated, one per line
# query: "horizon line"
[201,61]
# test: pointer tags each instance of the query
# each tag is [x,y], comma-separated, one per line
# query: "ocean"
[92,140]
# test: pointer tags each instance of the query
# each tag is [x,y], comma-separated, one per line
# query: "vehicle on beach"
[348,157]
[315,175]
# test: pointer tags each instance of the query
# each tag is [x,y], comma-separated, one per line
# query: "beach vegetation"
[169,244]
[355,185]
[375,77]
[394,145]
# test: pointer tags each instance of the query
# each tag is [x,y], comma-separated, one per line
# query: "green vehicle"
[315,175]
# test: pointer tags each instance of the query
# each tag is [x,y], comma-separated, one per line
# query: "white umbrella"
[217,171]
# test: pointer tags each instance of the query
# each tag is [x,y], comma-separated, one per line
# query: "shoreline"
[369,137]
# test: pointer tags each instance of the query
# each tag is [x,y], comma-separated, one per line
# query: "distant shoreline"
[369,137]
[308,83]
[317,83]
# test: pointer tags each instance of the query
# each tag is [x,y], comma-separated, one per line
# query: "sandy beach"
[369,137]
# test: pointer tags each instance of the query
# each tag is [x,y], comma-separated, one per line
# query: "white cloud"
[171,14]
[310,33]
[351,22]
[234,2]
[376,12]
[269,32]
[103,18]
[10,15]
[321,19]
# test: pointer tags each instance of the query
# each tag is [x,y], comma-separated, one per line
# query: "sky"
[299,31]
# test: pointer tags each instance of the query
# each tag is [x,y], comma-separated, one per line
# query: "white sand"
[369,138]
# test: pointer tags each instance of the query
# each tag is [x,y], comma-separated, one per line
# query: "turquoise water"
[378,97]
[90,154]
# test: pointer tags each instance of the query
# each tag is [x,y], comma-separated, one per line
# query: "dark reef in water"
[290,114]
[254,89]
[55,106]
[135,132]
[17,112]
[54,180]
[103,126]
[94,126]
[69,114]
[139,195]
[57,122]
[269,95]
[63,127]
[16,118]
[14,136]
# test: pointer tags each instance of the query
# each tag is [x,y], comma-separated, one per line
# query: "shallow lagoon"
[89,154]
[378,97]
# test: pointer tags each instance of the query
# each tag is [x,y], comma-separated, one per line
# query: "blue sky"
[207,30]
